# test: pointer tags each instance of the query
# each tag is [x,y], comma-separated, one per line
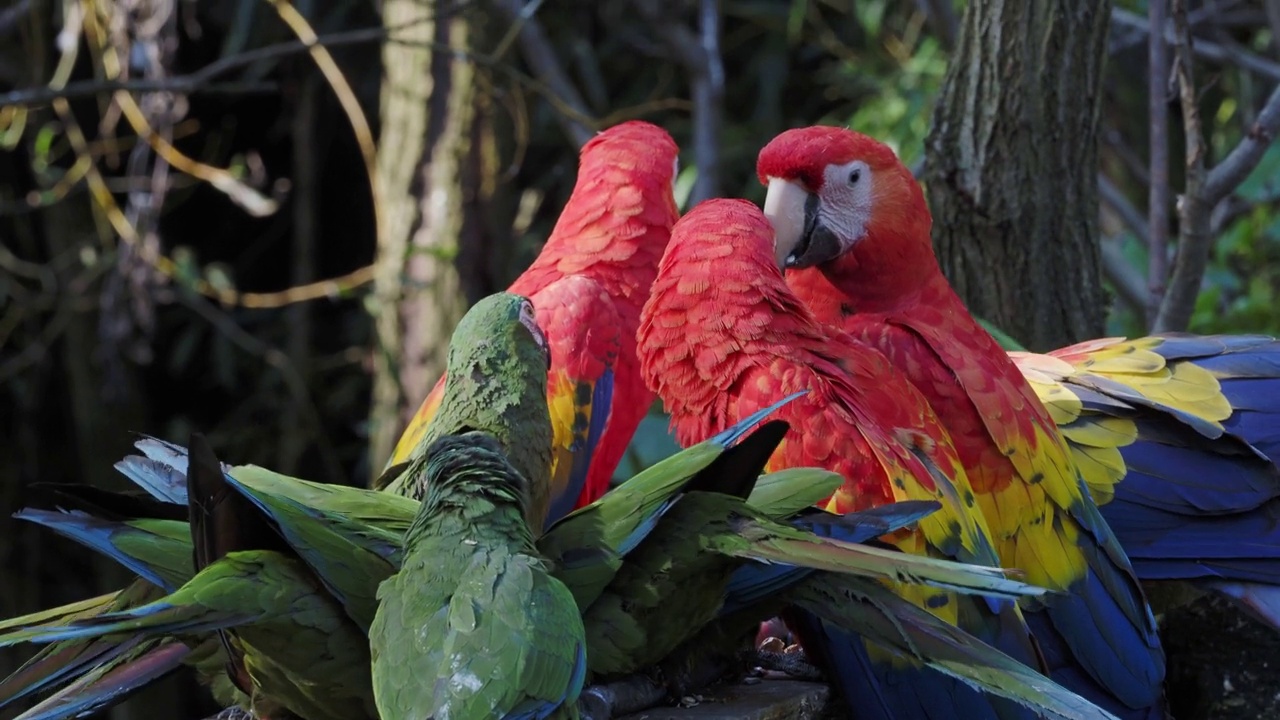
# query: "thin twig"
[700,56]
[199,81]
[1129,215]
[1236,166]
[541,56]
[1157,236]
[248,198]
[1204,48]
[1127,281]
[1204,188]
[277,359]
[1193,213]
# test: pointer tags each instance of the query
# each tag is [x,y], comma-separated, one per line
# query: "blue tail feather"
[161,481]
[1194,482]
[63,668]
[877,691]
[735,433]
[1101,640]
[94,534]
[1066,671]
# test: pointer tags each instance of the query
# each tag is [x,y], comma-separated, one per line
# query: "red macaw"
[1182,424]
[721,337]
[587,287]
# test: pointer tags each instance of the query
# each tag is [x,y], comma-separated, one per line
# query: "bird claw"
[791,661]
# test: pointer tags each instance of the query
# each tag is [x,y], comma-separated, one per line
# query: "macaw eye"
[530,322]
[855,175]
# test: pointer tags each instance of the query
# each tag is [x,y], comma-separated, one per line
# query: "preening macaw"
[587,285]
[722,336]
[1176,429]
[495,379]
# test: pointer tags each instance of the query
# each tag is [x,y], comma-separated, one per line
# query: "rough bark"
[428,111]
[1011,170]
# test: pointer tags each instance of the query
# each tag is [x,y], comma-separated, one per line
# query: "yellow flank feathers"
[1030,538]
[562,404]
[1115,367]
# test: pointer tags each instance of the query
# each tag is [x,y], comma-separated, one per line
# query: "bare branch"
[1205,188]
[1194,237]
[1204,48]
[1125,278]
[708,97]
[1158,190]
[700,56]
[1129,215]
[199,81]
[1236,166]
[541,56]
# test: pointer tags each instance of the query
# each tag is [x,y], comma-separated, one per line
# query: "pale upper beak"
[784,203]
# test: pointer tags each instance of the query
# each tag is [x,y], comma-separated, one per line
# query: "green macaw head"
[497,383]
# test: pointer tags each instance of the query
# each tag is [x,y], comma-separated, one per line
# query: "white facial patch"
[847,200]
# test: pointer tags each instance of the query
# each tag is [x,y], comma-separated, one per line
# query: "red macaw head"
[646,147]
[833,190]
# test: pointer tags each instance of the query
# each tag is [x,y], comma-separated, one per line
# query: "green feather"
[474,624]
[496,381]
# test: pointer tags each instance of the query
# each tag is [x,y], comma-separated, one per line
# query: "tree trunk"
[1011,171]
[428,114]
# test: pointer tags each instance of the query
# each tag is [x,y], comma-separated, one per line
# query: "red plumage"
[722,336]
[588,285]
[884,287]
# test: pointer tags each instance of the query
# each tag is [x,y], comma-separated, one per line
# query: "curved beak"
[800,239]
[785,202]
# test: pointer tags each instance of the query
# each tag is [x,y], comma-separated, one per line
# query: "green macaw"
[587,546]
[287,644]
[496,380]
[590,546]
[474,625]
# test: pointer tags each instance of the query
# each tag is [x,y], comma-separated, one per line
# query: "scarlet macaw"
[587,286]
[721,337]
[1184,422]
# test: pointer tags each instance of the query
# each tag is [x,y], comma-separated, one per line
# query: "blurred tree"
[1010,168]
[429,101]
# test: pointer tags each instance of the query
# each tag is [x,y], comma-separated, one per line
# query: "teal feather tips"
[496,382]
[467,474]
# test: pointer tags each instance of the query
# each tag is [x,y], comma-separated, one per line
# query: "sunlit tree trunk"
[1012,165]
[428,114]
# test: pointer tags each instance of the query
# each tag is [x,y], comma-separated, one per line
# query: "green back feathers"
[468,477]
